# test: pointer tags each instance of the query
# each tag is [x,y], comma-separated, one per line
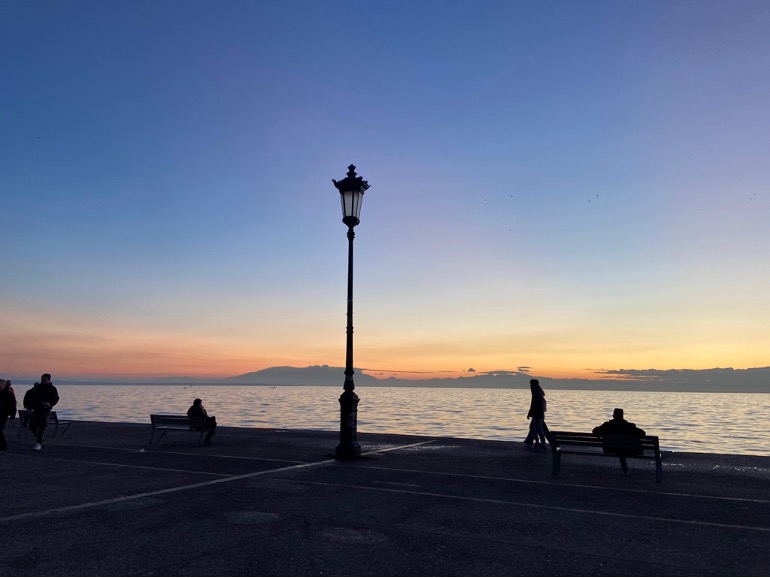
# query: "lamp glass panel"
[351,203]
[358,198]
[347,203]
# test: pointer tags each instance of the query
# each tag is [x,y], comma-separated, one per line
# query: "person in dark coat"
[40,399]
[619,426]
[538,430]
[201,420]
[7,410]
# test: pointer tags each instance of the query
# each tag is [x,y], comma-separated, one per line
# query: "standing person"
[619,426]
[537,407]
[7,410]
[201,420]
[40,399]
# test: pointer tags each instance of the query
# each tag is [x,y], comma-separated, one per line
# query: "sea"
[725,423]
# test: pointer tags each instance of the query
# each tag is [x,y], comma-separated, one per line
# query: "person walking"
[537,407]
[7,410]
[618,426]
[201,420]
[40,399]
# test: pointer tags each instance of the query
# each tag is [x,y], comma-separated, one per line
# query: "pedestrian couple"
[538,430]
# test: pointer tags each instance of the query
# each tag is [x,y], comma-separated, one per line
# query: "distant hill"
[752,380]
[312,375]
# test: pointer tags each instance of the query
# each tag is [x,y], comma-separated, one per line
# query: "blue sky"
[566,186]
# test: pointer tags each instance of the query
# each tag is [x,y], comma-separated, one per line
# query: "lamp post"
[351,190]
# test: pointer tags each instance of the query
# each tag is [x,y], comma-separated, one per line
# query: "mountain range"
[729,380]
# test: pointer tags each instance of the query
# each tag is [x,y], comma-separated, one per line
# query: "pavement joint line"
[198,455]
[582,486]
[143,450]
[155,492]
[226,456]
[195,471]
[383,450]
[76,507]
[535,506]
[135,467]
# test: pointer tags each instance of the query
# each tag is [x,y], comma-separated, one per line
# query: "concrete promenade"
[263,502]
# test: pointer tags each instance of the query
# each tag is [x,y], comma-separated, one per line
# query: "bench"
[167,422]
[587,443]
[53,419]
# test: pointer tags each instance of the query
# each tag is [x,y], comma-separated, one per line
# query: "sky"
[568,188]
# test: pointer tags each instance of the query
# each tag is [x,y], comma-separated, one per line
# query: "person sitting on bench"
[618,426]
[201,421]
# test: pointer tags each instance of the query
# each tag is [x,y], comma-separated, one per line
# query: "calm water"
[682,420]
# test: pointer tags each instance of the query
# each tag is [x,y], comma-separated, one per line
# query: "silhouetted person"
[201,421]
[538,430]
[40,399]
[7,410]
[619,426]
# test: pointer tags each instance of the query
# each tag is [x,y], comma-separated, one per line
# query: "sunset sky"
[567,187]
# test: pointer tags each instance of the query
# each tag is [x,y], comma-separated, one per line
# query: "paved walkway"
[264,502]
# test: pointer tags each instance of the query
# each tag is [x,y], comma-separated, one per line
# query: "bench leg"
[556,462]
[658,471]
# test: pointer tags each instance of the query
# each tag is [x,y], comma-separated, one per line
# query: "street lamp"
[351,190]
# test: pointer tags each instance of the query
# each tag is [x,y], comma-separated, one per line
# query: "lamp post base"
[347,452]
[348,448]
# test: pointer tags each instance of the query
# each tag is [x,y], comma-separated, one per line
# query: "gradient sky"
[565,186]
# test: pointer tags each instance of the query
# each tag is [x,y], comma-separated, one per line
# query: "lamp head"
[352,189]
